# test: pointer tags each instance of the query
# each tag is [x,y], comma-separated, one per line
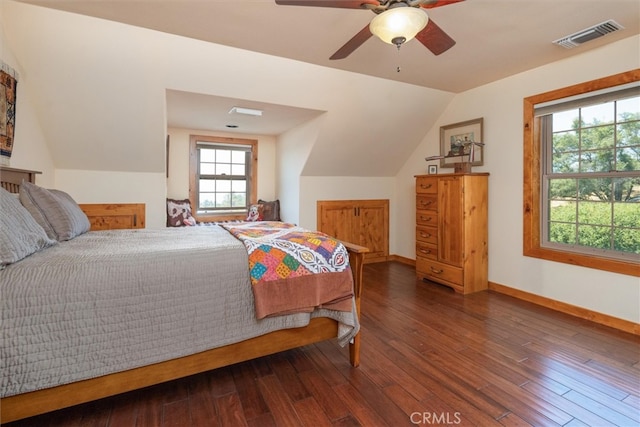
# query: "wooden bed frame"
[41,401]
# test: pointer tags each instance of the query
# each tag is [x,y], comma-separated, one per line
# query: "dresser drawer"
[427,234]
[437,270]
[427,201]
[426,250]
[427,218]
[427,185]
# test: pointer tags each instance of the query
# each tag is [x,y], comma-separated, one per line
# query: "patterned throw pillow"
[256,213]
[270,210]
[179,213]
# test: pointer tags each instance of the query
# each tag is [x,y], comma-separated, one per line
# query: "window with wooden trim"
[582,174]
[223,177]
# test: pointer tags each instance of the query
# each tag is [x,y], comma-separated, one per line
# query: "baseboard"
[583,313]
[403,260]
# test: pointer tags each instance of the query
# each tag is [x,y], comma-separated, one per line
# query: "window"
[223,177]
[582,174]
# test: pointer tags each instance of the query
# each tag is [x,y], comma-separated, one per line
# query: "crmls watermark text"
[435,418]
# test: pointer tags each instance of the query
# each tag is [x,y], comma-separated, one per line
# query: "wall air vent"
[587,34]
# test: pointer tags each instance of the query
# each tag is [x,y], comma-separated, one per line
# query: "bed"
[210,326]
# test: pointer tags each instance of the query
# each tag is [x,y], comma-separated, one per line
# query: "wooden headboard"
[11,178]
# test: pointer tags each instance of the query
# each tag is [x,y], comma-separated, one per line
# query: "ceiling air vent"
[590,33]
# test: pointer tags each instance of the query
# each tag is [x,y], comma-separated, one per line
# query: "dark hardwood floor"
[429,357]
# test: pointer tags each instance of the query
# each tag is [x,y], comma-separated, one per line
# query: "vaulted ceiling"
[494,38]
[106,77]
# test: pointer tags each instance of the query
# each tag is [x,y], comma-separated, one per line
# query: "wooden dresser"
[111,216]
[451,230]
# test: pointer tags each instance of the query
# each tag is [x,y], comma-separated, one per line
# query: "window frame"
[532,188]
[252,185]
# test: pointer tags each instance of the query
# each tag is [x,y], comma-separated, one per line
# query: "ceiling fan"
[424,29]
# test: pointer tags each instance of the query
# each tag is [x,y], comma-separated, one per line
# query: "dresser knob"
[433,270]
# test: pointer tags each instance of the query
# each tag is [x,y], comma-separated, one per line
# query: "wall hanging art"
[8,84]
[462,143]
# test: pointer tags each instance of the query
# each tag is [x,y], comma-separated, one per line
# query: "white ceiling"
[495,39]
[196,111]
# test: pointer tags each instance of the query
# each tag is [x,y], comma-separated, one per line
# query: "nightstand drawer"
[438,270]
[427,235]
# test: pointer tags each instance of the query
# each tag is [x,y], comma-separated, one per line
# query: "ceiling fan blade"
[435,39]
[437,3]
[355,42]
[345,4]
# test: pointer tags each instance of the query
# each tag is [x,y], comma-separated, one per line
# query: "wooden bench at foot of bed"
[320,329]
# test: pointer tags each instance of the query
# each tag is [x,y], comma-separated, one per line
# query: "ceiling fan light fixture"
[398,25]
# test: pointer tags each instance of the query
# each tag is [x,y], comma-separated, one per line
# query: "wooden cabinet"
[113,216]
[451,230]
[363,222]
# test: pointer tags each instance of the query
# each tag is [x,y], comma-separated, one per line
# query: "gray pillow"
[20,234]
[56,211]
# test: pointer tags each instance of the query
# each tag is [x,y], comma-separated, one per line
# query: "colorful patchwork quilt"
[293,269]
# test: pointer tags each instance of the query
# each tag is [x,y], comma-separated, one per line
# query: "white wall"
[117,187]
[293,149]
[501,105]
[101,94]
[178,181]
[30,150]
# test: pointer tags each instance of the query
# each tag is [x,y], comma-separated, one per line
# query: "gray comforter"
[109,301]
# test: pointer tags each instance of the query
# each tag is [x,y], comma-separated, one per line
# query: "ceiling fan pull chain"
[398,67]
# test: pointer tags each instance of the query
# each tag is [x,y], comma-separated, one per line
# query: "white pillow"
[20,234]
